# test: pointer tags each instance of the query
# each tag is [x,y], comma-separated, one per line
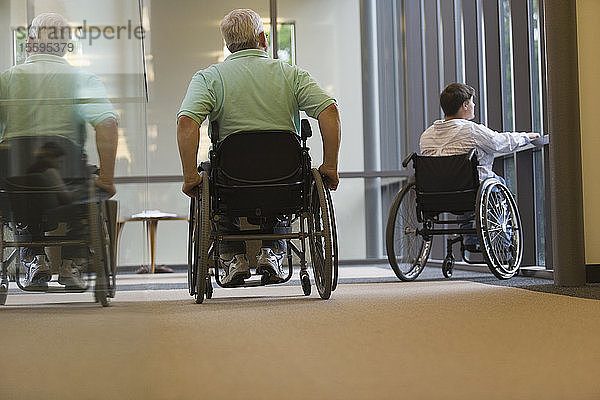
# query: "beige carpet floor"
[421,340]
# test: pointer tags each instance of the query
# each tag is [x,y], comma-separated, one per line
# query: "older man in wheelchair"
[454,177]
[258,160]
[50,202]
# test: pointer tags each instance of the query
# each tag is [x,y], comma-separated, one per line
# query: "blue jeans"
[231,225]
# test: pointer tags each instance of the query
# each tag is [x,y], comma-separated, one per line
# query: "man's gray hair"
[50,28]
[241,29]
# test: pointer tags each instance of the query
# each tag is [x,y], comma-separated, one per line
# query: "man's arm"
[107,137]
[329,124]
[501,142]
[188,140]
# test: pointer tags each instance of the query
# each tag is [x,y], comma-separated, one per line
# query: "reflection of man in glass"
[46,99]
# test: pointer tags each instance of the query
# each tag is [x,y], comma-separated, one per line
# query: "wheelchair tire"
[334,237]
[499,228]
[407,251]
[108,251]
[320,238]
[3,266]
[202,243]
[101,253]
[191,273]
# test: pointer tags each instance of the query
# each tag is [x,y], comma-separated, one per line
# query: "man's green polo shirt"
[47,96]
[251,91]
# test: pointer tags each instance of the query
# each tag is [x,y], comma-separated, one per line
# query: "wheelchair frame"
[101,257]
[410,229]
[316,218]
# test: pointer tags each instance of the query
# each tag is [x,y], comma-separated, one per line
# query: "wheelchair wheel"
[202,240]
[108,249]
[499,229]
[101,254]
[333,237]
[191,273]
[3,265]
[320,238]
[407,251]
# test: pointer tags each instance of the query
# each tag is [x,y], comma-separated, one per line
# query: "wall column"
[370,82]
[565,142]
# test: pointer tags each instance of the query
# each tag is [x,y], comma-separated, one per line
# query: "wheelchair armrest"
[305,129]
[408,159]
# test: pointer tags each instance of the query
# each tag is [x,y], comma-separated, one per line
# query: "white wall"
[588,31]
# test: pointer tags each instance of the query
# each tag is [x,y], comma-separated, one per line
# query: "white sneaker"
[38,273]
[70,276]
[270,266]
[236,269]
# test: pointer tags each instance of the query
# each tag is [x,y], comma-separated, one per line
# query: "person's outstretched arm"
[107,138]
[329,124]
[501,142]
[188,140]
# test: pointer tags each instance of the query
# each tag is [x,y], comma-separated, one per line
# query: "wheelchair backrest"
[258,173]
[260,156]
[18,155]
[27,192]
[447,183]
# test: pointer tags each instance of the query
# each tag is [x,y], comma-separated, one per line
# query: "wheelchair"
[263,174]
[446,191]
[30,210]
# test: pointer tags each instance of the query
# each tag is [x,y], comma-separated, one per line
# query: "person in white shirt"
[457,134]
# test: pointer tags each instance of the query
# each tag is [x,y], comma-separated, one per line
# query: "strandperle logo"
[89,33]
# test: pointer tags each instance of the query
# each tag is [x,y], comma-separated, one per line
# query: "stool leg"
[152,228]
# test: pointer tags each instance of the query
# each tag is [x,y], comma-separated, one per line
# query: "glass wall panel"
[328,46]
[479,43]
[104,46]
[181,40]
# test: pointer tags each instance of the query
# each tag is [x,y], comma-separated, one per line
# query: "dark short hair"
[453,97]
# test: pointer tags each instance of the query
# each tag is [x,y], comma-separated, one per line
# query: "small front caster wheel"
[3,293]
[448,266]
[305,280]
[209,288]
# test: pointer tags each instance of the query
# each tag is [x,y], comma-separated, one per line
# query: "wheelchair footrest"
[54,289]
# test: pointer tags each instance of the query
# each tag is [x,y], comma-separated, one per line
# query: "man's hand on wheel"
[190,184]
[331,176]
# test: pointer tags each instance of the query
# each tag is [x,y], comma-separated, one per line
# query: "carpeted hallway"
[432,339]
